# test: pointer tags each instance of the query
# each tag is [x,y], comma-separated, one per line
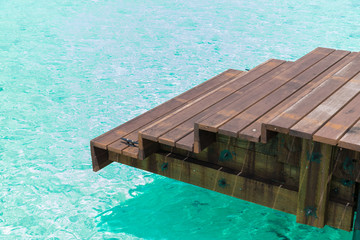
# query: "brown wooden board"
[155,130]
[244,119]
[283,122]
[213,122]
[216,178]
[226,181]
[187,142]
[314,183]
[112,140]
[255,131]
[309,124]
[134,124]
[204,101]
[336,127]
[261,123]
[171,137]
[351,139]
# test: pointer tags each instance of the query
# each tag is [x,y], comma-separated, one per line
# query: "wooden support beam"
[202,139]
[146,147]
[216,178]
[314,183]
[227,181]
[100,157]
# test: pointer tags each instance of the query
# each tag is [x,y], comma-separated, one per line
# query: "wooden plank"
[134,124]
[314,183]
[289,149]
[336,127]
[340,216]
[155,130]
[213,122]
[347,167]
[283,122]
[131,152]
[225,181]
[112,141]
[172,120]
[100,158]
[309,124]
[215,178]
[351,139]
[255,131]
[171,137]
[244,119]
[187,142]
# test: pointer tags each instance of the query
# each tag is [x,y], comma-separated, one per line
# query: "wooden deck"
[312,103]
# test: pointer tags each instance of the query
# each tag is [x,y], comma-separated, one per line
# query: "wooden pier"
[285,135]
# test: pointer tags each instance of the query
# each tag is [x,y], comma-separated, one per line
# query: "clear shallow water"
[71,70]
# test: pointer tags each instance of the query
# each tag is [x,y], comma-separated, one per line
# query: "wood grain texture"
[337,126]
[134,124]
[187,142]
[215,178]
[220,118]
[314,183]
[261,125]
[244,119]
[155,130]
[310,123]
[171,137]
[298,110]
[351,139]
[112,141]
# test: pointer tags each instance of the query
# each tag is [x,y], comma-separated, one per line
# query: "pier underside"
[283,135]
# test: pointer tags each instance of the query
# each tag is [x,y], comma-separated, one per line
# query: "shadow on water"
[168,209]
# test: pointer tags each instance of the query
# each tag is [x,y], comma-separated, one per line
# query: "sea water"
[71,70]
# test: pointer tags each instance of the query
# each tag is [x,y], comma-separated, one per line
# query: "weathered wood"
[158,128]
[213,122]
[215,178]
[241,121]
[313,179]
[186,127]
[340,215]
[226,181]
[283,122]
[351,139]
[202,139]
[255,131]
[166,123]
[309,124]
[314,183]
[162,110]
[337,126]
[289,149]
[100,158]
[112,139]
[187,142]
[146,147]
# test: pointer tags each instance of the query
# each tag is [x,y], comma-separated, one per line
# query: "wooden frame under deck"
[285,135]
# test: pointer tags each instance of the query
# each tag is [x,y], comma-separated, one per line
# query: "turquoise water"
[71,70]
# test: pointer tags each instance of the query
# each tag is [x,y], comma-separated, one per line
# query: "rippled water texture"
[71,70]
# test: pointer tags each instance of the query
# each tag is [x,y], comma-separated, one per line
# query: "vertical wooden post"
[100,157]
[313,183]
